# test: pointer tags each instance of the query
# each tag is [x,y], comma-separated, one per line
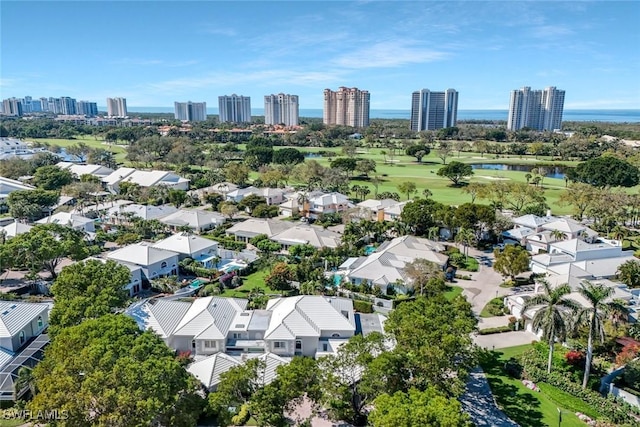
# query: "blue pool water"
[369,249]
[337,279]
[196,284]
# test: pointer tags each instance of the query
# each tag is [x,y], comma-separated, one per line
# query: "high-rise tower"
[433,110]
[281,108]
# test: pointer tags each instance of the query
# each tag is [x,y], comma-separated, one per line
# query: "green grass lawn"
[251,282]
[93,142]
[453,292]
[11,423]
[527,407]
[405,168]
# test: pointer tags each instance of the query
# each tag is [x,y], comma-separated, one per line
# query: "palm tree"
[553,313]
[432,233]
[558,235]
[24,382]
[466,236]
[619,233]
[594,316]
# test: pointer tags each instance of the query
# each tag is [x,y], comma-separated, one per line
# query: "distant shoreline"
[573,115]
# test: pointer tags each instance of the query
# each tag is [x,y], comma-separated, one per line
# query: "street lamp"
[560,412]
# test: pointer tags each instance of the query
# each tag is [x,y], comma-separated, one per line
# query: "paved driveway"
[479,403]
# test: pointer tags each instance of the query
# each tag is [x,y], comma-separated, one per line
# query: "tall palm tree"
[598,295]
[466,236]
[552,316]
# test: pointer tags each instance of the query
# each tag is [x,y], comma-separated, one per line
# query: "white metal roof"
[141,254]
[186,243]
[14,316]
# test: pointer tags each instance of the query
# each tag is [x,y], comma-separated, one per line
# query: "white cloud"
[225,79]
[389,54]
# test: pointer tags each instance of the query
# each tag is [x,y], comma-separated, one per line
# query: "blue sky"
[157,52]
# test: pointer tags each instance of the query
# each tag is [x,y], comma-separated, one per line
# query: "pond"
[552,171]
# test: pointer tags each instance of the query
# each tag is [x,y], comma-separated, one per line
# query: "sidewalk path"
[479,403]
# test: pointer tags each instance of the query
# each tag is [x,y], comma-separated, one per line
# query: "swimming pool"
[197,283]
[369,249]
[228,265]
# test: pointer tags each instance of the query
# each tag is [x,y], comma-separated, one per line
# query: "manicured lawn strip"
[472,265]
[12,423]
[453,292]
[524,406]
[119,150]
[567,400]
[251,282]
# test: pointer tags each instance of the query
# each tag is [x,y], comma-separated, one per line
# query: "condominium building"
[68,106]
[12,107]
[87,108]
[44,103]
[281,109]
[234,108]
[433,110]
[346,107]
[536,109]
[190,111]
[117,107]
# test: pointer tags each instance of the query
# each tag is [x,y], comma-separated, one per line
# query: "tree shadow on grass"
[517,404]
[520,406]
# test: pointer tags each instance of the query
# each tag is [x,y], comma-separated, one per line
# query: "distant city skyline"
[483,49]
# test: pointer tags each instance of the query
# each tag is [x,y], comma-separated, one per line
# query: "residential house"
[302,234]
[302,325]
[8,186]
[204,251]
[246,230]
[221,188]
[576,250]
[15,228]
[144,179]
[537,233]
[273,196]
[209,369]
[393,212]
[135,282]
[297,202]
[196,219]
[21,342]
[78,170]
[77,222]
[376,209]
[153,262]
[386,266]
[123,213]
[328,203]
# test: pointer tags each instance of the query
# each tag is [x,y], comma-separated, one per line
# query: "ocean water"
[615,116]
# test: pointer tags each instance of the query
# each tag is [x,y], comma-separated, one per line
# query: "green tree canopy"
[456,171]
[418,151]
[606,171]
[43,247]
[29,204]
[418,409]
[288,156]
[106,371]
[629,273]
[513,260]
[86,290]
[52,177]
[420,215]
[407,187]
[432,336]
